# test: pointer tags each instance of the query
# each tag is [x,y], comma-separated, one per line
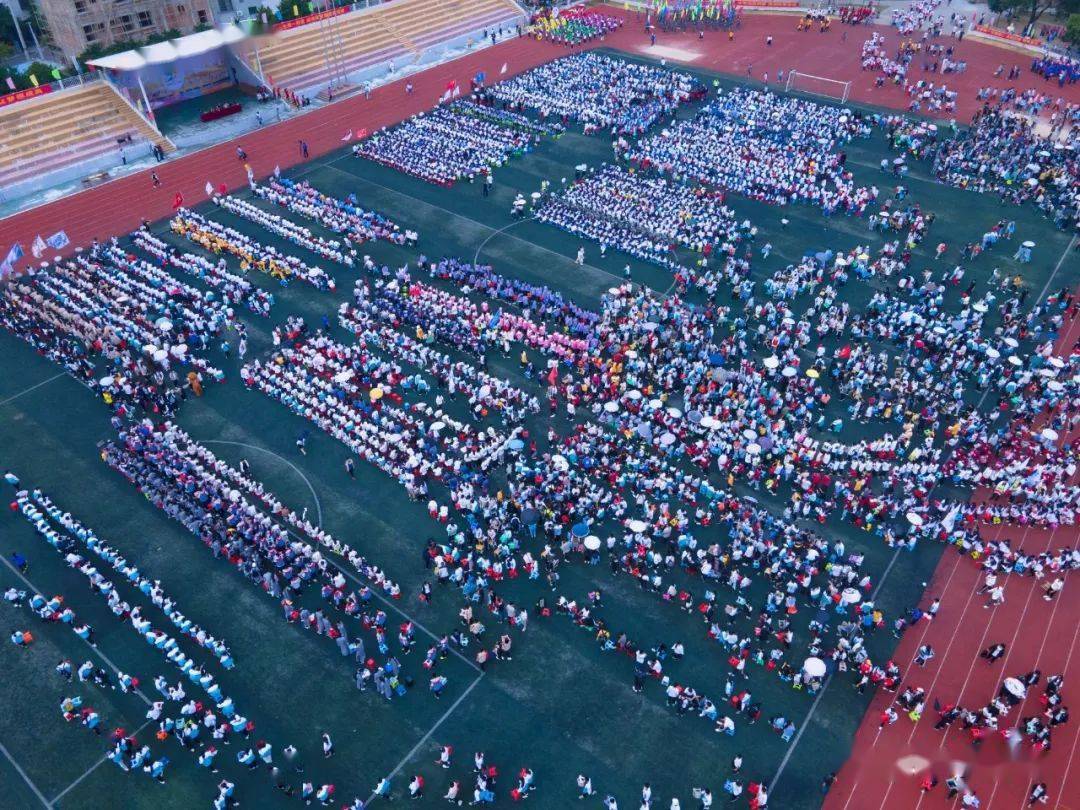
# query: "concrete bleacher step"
[54,133]
[362,39]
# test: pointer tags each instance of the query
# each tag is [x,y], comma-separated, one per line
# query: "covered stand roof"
[171,50]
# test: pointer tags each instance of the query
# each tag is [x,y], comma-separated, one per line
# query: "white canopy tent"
[171,50]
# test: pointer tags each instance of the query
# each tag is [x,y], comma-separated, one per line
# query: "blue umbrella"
[516,444]
[580,529]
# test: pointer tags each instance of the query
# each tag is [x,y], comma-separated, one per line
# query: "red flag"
[178,201]
[450,85]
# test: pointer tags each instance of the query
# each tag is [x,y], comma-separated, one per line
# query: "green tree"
[1072,29]
[9,37]
[1034,9]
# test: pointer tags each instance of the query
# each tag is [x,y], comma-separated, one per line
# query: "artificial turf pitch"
[561,706]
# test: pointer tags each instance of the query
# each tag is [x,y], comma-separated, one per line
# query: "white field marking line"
[1076,739]
[412,752]
[1012,643]
[456,215]
[97,652]
[493,234]
[318,506]
[799,733]
[453,650]
[1057,267]
[91,769]
[29,782]
[14,397]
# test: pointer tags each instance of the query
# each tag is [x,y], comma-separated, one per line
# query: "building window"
[80,6]
[127,24]
[145,20]
[202,17]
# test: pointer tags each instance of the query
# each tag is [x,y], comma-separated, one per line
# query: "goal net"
[817,86]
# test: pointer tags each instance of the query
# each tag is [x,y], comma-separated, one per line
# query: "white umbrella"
[1015,688]
[850,596]
[814,667]
[1056,362]
[1011,342]
[772,361]
[915,519]
[912,764]
[753,448]
[560,462]
[1049,434]
[1028,244]
[667,439]
[708,422]
[160,355]
[789,371]
[979,306]
[437,426]
[592,543]
[637,526]
[164,324]
[611,407]
[656,404]
[344,376]
[749,435]
[634,395]
[106,381]
[1016,361]
[674,413]
[993,353]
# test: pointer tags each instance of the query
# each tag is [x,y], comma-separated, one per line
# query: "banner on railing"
[999,34]
[23,95]
[310,18]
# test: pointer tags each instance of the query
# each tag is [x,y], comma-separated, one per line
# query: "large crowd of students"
[638,434]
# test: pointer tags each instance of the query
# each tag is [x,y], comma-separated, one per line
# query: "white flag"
[504,69]
[209,189]
[348,136]
[38,248]
[948,523]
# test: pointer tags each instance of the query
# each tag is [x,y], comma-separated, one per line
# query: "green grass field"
[560,707]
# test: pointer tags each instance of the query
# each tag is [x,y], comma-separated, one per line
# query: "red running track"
[118,207]
[1037,634]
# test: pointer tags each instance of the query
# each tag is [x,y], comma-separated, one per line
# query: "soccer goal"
[817,85]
